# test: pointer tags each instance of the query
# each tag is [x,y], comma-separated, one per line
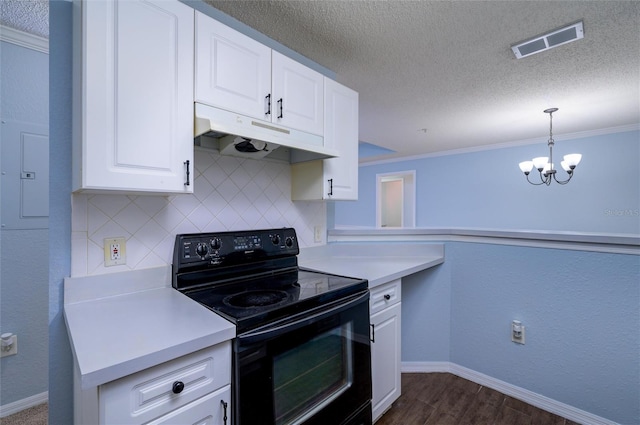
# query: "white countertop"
[377,263]
[115,333]
[122,323]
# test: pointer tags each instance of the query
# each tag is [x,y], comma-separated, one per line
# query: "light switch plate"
[115,252]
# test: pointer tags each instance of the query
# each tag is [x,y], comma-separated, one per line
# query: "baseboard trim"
[534,399]
[25,403]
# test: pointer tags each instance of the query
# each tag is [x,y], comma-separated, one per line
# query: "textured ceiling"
[31,16]
[447,66]
[440,75]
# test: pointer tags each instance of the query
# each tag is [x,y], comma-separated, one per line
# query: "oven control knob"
[215,243]
[289,242]
[275,239]
[201,249]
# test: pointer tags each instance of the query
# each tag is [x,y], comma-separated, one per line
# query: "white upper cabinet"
[133,96]
[233,71]
[297,95]
[334,178]
[341,133]
[238,74]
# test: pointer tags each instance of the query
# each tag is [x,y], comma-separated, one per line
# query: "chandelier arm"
[562,181]
[545,179]
[537,184]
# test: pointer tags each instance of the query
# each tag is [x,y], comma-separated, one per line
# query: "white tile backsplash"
[229,194]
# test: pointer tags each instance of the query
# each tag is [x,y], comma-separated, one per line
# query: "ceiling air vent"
[548,41]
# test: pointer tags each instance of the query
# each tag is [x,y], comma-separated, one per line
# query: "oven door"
[313,369]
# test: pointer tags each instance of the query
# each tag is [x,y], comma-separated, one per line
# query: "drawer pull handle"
[178,386]
[373,333]
[387,297]
[224,406]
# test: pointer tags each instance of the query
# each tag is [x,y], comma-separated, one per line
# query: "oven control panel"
[228,248]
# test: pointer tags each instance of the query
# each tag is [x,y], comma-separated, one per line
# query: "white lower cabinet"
[195,388]
[386,323]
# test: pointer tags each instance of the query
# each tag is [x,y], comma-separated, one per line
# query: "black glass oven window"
[309,376]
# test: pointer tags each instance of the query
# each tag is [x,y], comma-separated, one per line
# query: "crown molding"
[560,137]
[24,39]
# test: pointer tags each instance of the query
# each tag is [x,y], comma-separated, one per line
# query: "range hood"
[239,135]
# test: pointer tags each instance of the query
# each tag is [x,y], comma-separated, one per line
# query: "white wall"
[229,194]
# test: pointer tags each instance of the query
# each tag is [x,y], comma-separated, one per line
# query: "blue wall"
[581,309]
[24,98]
[60,64]
[426,314]
[486,189]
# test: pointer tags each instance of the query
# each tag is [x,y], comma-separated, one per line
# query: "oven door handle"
[304,320]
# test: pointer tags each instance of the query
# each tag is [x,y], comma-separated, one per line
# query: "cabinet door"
[334,178]
[137,96]
[385,359]
[297,95]
[233,71]
[341,133]
[209,410]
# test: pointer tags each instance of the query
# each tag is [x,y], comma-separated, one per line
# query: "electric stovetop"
[264,299]
[251,278]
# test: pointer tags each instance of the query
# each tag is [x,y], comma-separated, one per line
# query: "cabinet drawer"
[148,394]
[208,410]
[385,295]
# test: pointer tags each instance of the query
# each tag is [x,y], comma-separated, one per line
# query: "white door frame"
[408,179]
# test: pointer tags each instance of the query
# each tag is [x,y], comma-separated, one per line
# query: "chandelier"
[545,165]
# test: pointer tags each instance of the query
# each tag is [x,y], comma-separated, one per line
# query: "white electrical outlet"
[317,234]
[517,332]
[9,346]
[115,252]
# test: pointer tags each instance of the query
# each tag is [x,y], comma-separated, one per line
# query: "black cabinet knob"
[387,297]
[178,386]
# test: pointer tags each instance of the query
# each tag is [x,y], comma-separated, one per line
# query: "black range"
[302,351]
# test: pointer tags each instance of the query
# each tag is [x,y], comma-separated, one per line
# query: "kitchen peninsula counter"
[122,323]
[378,263]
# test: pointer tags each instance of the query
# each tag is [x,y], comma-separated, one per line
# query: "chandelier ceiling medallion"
[545,165]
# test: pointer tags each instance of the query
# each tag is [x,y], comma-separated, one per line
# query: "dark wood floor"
[446,399]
